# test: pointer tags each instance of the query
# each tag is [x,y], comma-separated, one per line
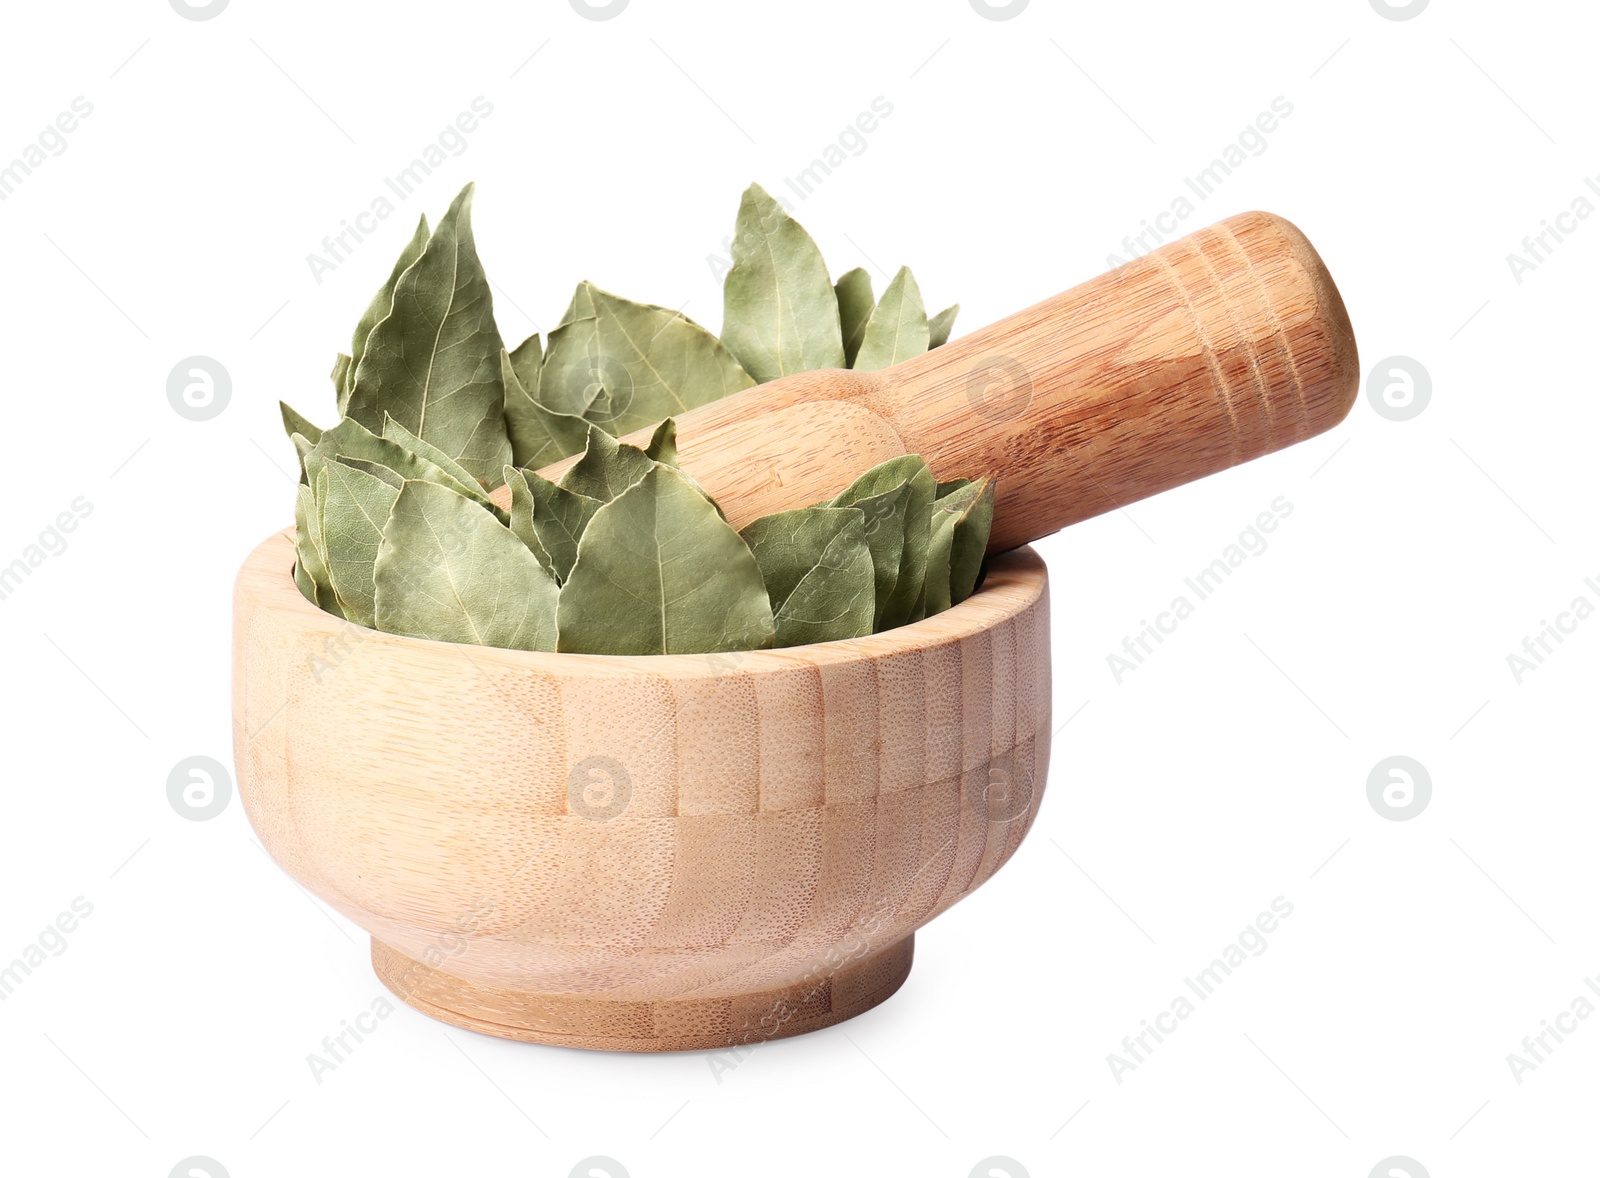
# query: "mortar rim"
[1014,582]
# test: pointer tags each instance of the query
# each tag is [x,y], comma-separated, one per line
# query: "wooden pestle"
[1214,349]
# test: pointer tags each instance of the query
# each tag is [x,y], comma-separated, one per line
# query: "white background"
[1230,769]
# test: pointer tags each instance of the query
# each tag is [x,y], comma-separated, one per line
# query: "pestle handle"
[1212,350]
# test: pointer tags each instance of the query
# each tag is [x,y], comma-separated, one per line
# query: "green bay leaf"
[311,563]
[629,364]
[970,541]
[554,516]
[382,302]
[303,580]
[376,469]
[939,326]
[898,328]
[526,360]
[834,600]
[780,312]
[293,424]
[854,292]
[905,603]
[351,439]
[539,436]
[394,432]
[522,510]
[448,570]
[818,572]
[303,446]
[433,363]
[895,497]
[340,375]
[788,544]
[608,467]
[660,572]
[580,306]
[663,445]
[883,514]
[355,508]
[571,375]
[948,513]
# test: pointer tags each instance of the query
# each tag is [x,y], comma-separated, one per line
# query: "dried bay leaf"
[394,432]
[660,572]
[835,599]
[351,439]
[939,326]
[854,292]
[629,364]
[378,309]
[522,512]
[608,467]
[818,572]
[433,363]
[293,424]
[376,469]
[780,312]
[303,446]
[448,570]
[580,306]
[355,508]
[303,580]
[904,603]
[883,515]
[788,544]
[341,381]
[539,435]
[895,497]
[526,360]
[571,375]
[396,529]
[310,563]
[970,542]
[558,517]
[953,524]
[663,445]
[898,328]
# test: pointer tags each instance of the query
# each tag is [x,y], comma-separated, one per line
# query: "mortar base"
[673,1024]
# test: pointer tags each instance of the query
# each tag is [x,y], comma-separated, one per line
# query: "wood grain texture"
[1216,348]
[645,854]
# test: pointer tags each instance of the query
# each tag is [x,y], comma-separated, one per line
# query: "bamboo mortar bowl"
[669,852]
[650,853]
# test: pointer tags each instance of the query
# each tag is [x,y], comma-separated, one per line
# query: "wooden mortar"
[651,853]
[670,852]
